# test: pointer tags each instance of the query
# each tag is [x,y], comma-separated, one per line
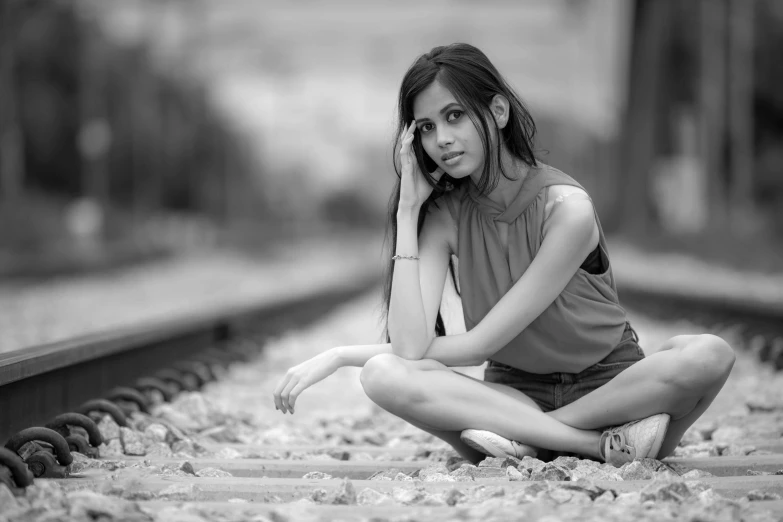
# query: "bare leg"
[453,437]
[442,400]
[682,379]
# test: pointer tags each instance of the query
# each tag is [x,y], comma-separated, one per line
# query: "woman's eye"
[458,113]
[425,127]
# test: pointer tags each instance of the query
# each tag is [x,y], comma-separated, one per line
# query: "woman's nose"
[444,138]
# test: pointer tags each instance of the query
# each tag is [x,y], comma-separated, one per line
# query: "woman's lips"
[451,157]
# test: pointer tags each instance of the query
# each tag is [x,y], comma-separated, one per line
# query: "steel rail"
[40,382]
[759,323]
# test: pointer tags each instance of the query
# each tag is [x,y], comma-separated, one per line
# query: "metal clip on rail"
[101,406]
[80,432]
[150,385]
[173,378]
[194,373]
[776,353]
[122,396]
[242,349]
[767,348]
[222,355]
[43,461]
[214,363]
[14,473]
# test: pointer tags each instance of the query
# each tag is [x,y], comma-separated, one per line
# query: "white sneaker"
[634,440]
[494,445]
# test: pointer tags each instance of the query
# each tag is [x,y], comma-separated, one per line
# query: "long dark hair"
[472,79]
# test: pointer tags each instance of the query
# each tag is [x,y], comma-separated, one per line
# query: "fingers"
[404,132]
[406,153]
[408,130]
[407,136]
[294,394]
[279,389]
[411,132]
[289,390]
[285,396]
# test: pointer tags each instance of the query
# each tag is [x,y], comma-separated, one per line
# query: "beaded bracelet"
[404,257]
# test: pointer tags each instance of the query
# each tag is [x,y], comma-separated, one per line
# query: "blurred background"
[134,129]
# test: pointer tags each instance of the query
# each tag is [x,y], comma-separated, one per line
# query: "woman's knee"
[384,377]
[705,360]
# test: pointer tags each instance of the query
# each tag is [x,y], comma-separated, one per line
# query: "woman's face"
[447,133]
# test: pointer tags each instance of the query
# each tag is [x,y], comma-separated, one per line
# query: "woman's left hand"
[414,189]
[302,376]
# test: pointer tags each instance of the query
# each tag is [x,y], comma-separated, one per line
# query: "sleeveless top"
[583,324]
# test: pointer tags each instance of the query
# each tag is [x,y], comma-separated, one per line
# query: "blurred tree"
[46,95]
[741,74]
[768,111]
[11,146]
[718,60]
[712,103]
[95,130]
[639,142]
[80,116]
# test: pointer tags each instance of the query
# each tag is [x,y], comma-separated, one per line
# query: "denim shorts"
[554,390]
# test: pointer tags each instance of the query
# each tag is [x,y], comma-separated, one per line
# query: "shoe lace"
[518,448]
[616,448]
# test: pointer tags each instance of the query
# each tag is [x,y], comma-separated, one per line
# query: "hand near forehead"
[414,189]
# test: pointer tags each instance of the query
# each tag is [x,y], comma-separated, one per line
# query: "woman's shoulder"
[559,188]
[558,183]
[557,193]
[573,205]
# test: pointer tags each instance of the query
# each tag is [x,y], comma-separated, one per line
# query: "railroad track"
[172,461]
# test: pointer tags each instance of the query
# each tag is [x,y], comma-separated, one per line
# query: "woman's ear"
[500,108]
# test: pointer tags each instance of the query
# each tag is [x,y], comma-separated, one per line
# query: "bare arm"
[571,234]
[452,350]
[417,286]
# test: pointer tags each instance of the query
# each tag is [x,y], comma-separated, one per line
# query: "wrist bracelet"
[395,258]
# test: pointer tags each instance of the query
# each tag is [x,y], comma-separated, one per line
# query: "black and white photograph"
[391,260]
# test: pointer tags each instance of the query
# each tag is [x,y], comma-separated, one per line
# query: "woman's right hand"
[414,189]
[300,377]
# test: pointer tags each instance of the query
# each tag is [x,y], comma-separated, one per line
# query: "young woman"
[565,370]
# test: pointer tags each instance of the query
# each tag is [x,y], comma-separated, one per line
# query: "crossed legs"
[450,436]
[682,379]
